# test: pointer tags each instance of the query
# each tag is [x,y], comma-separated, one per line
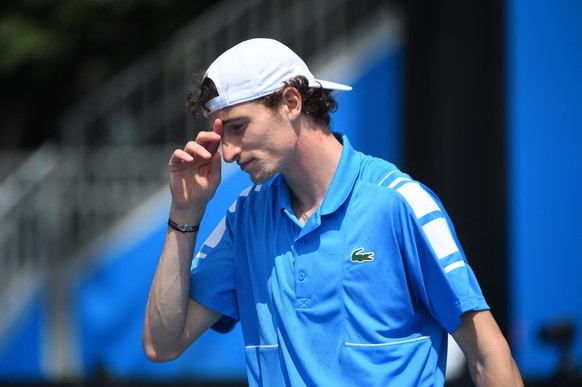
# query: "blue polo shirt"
[362,295]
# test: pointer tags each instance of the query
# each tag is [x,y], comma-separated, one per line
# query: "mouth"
[244,166]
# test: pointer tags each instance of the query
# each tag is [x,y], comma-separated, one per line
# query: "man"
[341,269]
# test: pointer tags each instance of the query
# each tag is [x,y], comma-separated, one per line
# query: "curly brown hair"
[317,102]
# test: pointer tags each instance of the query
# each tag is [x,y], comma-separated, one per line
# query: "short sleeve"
[440,275]
[212,276]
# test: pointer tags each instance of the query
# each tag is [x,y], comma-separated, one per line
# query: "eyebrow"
[233,120]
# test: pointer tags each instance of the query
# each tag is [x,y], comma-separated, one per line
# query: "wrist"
[183,227]
[191,216]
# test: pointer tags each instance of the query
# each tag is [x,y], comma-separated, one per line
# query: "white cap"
[256,68]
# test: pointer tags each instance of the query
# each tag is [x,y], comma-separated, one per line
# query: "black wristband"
[183,227]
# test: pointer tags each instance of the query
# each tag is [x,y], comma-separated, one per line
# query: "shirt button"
[301,242]
[301,276]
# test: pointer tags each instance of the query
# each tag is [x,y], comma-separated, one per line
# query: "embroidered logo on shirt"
[359,257]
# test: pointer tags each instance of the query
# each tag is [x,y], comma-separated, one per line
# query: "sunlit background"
[481,100]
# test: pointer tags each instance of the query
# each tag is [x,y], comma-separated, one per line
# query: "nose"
[230,150]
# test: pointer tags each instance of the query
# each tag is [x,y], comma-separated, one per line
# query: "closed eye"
[236,127]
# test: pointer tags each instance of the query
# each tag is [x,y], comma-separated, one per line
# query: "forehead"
[239,111]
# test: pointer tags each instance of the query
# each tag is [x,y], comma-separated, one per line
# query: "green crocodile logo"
[359,257]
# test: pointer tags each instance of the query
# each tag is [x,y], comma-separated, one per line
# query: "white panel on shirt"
[216,234]
[419,199]
[437,230]
[218,231]
[244,193]
[440,238]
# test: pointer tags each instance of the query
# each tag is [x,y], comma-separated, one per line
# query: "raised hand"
[195,174]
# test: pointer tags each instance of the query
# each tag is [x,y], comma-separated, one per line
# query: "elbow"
[153,355]
[156,354]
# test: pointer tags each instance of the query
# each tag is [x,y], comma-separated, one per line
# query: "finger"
[217,129]
[209,141]
[199,148]
[180,156]
[216,170]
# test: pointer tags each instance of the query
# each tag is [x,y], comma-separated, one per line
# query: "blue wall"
[20,353]
[544,79]
[371,114]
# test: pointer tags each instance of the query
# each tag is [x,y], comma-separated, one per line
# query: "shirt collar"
[344,177]
[341,184]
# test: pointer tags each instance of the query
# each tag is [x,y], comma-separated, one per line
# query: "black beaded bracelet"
[183,227]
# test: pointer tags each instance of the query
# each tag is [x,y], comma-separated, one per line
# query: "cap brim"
[329,85]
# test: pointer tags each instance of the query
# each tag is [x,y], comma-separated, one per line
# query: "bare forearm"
[173,320]
[167,309]
[496,370]
[488,354]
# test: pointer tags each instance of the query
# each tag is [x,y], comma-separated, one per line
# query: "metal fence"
[144,103]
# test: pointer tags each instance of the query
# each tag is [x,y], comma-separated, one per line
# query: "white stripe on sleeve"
[397,181]
[439,235]
[420,201]
[453,266]
[216,234]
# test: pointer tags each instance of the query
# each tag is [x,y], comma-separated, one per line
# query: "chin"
[262,177]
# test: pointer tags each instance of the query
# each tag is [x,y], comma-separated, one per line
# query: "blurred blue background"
[480,101]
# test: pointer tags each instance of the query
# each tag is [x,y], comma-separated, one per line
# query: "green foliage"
[51,32]
[23,41]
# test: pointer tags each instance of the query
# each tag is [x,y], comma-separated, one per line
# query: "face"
[260,139]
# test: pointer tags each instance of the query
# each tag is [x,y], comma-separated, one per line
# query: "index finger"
[217,128]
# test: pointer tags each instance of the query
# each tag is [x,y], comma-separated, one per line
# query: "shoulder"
[399,186]
[382,174]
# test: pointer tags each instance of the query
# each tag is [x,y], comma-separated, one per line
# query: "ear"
[292,100]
